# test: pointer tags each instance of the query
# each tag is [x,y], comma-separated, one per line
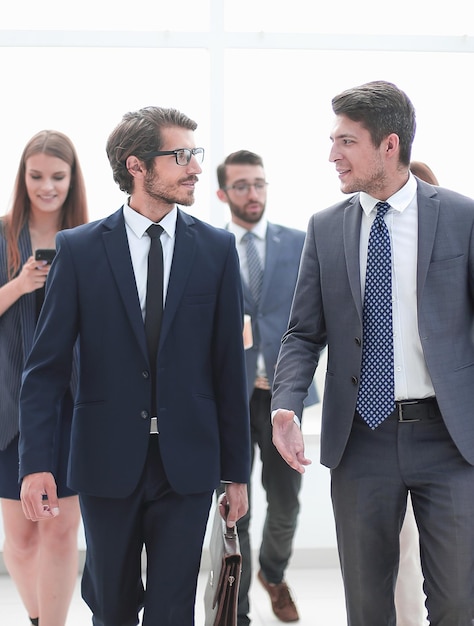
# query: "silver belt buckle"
[154,426]
[400,406]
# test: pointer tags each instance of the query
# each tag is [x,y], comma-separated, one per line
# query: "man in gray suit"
[424,443]
[268,281]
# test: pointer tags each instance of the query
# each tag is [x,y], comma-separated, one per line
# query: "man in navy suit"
[423,444]
[243,187]
[151,437]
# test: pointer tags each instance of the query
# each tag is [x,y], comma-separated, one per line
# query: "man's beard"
[171,196]
[244,216]
[371,185]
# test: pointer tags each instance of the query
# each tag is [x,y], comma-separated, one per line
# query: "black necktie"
[154,294]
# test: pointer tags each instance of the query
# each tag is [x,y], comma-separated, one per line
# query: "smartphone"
[45,254]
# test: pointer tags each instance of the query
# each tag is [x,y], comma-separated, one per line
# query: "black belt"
[415,410]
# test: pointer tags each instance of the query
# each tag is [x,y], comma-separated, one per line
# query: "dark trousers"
[282,485]
[369,492]
[170,526]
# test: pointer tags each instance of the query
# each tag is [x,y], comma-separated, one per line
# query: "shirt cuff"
[296,419]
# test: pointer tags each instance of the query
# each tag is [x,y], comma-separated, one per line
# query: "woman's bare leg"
[42,559]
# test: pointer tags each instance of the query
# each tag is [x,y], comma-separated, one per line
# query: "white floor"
[318,595]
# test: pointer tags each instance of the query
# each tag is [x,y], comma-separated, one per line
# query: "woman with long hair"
[49,195]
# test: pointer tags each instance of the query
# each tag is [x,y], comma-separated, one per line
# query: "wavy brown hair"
[74,210]
[137,134]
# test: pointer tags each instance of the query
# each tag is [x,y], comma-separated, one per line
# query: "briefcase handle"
[230,532]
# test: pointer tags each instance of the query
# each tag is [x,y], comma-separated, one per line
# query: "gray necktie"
[254,266]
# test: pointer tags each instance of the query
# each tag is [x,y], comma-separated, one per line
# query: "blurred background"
[254,74]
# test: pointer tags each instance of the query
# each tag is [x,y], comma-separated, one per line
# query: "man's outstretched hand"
[288,440]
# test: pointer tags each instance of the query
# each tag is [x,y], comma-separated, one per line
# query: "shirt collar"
[259,230]
[399,201]
[138,223]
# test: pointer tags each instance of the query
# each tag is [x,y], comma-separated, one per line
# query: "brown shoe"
[282,602]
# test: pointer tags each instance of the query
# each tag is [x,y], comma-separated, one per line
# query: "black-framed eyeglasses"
[242,189]
[182,155]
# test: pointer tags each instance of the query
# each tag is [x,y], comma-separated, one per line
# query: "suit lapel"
[351,234]
[118,253]
[183,259]
[428,213]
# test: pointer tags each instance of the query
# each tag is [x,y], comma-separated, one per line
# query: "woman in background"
[423,171]
[49,195]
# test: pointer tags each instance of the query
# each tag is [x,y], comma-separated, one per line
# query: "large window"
[256,74]
[253,74]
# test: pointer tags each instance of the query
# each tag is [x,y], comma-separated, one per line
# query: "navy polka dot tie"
[376,399]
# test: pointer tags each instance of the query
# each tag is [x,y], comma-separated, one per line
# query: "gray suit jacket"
[270,320]
[327,310]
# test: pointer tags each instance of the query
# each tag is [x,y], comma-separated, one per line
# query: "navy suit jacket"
[283,249]
[327,311]
[202,407]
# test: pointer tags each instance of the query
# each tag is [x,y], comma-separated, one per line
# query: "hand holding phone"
[45,254]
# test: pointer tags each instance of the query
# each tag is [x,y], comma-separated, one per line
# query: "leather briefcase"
[222,589]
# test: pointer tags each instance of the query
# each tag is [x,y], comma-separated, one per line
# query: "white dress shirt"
[260,232]
[412,380]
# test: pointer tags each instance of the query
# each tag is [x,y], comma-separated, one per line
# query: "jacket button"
[354,380]
[144,415]
[146,374]
[358,341]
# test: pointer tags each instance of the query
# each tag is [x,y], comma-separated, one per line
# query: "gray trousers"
[282,485]
[369,493]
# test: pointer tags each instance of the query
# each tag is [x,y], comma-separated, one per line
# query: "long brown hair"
[74,209]
[423,171]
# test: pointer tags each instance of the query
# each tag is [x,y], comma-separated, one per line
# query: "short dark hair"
[138,134]
[241,157]
[382,108]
